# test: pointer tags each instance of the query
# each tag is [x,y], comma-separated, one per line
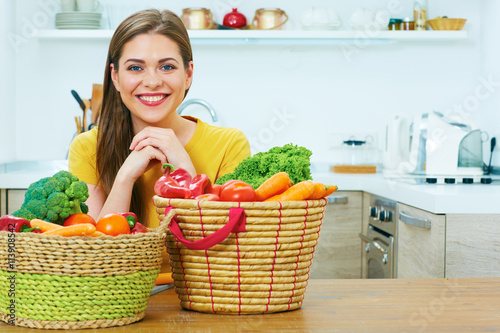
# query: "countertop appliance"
[380,238]
[440,148]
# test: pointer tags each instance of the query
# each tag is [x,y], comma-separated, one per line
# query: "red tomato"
[113,225]
[237,191]
[79,218]
[215,189]
[208,197]
[229,182]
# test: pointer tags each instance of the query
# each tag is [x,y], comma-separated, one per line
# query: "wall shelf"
[298,37]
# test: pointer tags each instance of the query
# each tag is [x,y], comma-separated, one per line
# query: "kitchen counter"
[437,199]
[378,305]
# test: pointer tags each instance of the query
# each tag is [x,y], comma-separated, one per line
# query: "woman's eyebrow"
[142,61]
[167,59]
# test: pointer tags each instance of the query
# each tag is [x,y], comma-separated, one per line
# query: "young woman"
[148,73]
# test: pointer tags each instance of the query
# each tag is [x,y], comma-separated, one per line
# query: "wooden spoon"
[95,102]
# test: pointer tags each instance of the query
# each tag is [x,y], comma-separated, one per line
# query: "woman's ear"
[114,76]
[189,76]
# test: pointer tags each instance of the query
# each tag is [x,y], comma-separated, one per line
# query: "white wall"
[7,84]
[320,95]
[490,69]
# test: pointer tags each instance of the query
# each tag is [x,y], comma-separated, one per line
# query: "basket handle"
[235,224]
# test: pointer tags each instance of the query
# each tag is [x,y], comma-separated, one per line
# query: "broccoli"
[255,169]
[54,198]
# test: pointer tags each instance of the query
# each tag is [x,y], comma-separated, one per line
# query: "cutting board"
[354,168]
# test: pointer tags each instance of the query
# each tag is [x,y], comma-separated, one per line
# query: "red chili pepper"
[174,185]
[12,223]
[200,185]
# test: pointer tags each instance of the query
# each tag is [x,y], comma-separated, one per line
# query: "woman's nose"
[151,80]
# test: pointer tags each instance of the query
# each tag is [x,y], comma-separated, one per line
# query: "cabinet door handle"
[414,221]
[339,199]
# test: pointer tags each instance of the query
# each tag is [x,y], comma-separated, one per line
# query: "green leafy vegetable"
[54,198]
[254,170]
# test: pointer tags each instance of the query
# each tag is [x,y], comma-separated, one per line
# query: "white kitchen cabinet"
[338,253]
[420,243]
[472,245]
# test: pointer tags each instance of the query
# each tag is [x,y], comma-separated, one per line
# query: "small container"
[420,14]
[407,24]
[395,24]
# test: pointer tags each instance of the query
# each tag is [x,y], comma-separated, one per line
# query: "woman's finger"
[150,132]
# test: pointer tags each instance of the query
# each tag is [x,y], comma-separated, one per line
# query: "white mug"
[87,5]
[68,5]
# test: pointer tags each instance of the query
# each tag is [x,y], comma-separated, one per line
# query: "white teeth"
[152,98]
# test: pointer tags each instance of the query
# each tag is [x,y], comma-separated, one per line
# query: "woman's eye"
[167,67]
[134,68]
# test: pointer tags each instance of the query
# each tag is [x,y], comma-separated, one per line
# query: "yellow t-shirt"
[213,150]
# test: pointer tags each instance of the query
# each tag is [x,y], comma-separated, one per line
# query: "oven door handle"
[377,245]
[414,221]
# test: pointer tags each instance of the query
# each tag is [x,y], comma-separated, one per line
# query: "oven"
[379,238]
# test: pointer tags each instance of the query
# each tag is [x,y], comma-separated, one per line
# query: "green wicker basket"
[55,282]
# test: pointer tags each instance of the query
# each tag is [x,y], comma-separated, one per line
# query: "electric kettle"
[397,141]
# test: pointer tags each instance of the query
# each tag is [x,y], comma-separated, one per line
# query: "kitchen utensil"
[197,18]
[234,19]
[445,23]
[493,143]
[78,20]
[95,103]
[84,105]
[269,19]
[318,18]
[160,288]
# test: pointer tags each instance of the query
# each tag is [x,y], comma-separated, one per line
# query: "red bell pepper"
[16,224]
[131,219]
[138,228]
[199,185]
[174,185]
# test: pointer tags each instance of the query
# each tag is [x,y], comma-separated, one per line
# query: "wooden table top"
[398,305]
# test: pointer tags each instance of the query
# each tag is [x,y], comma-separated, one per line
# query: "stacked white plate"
[78,20]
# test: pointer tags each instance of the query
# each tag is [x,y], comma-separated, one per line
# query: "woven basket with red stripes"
[241,258]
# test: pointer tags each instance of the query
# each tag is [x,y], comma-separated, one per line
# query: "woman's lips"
[152,99]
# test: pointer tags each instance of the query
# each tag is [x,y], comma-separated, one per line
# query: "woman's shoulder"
[211,130]
[87,139]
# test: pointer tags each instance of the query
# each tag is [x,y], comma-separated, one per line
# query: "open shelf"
[276,37]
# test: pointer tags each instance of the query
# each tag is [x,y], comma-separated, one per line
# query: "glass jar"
[395,24]
[420,14]
[407,24]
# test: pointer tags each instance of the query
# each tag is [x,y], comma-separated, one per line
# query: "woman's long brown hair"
[115,130]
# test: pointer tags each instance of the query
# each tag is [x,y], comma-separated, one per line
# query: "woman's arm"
[118,200]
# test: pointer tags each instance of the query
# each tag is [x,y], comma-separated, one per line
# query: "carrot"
[96,234]
[164,278]
[276,184]
[72,230]
[330,189]
[299,191]
[44,225]
[319,191]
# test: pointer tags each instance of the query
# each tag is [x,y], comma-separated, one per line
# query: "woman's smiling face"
[151,79]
